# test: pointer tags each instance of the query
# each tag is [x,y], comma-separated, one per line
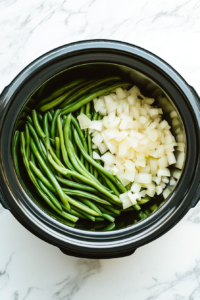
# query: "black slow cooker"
[152,75]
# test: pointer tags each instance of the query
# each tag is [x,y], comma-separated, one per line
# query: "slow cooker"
[155,77]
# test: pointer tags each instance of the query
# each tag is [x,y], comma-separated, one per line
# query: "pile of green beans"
[57,156]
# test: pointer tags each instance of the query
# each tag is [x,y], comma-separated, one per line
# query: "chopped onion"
[84,121]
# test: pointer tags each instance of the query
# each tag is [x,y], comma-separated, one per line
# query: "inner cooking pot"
[91,59]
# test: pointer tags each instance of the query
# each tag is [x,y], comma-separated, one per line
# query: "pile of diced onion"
[136,143]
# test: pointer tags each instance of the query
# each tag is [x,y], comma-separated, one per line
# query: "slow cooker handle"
[2,196]
[93,255]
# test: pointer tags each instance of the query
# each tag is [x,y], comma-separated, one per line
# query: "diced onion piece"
[111,147]
[162,162]
[120,93]
[97,139]
[163,124]
[103,111]
[129,165]
[165,179]
[177,174]
[166,193]
[172,181]
[144,178]
[123,124]
[180,160]
[108,158]
[173,114]
[84,121]
[171,158]
[153,135]
[134,197]
[129,175]
[122,148]
[96,155]
[114,170]
[99,104]
[123,180]
[111,107]
[136,187]
[159,190]
[153,166]
[102,148]
[163,172]
[110,133]
[97,125]
[126,202]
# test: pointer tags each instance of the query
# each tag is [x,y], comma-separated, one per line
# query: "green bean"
[15,156]
[53,124]
[29,120]
[75,161]
[108,217]
[88,216]
[40,117]
[99,219]
[33,159]
[92,161]
[110,185]
[61,99]
[147,212]
[88,87]
[137,207]
[83,207]
[50,116]
[80,132]
[63,197]
[33,179]
[37,124]
[76,185]
[91,205]
[41,176]
[144,200]
[153,207]
[142,215]
[115,211]
[83,194]
[82,110]
[62,143]
[104,210]
[46,128]
[74,212]
[65,171]
[109,227]
[90,151]
[52,111]
[87,98]
[99,117]
[60,91]
[27,141]
[37,140]
[121,188]
[50,195]
[57,144]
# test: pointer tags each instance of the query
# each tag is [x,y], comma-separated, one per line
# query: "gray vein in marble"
[4,275]
[158,289]
[70,287]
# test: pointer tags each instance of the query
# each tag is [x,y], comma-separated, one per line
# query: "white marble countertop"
[166,269]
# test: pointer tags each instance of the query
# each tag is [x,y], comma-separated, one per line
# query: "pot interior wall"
[96,70]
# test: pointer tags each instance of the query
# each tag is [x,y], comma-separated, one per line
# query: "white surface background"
[168,268]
